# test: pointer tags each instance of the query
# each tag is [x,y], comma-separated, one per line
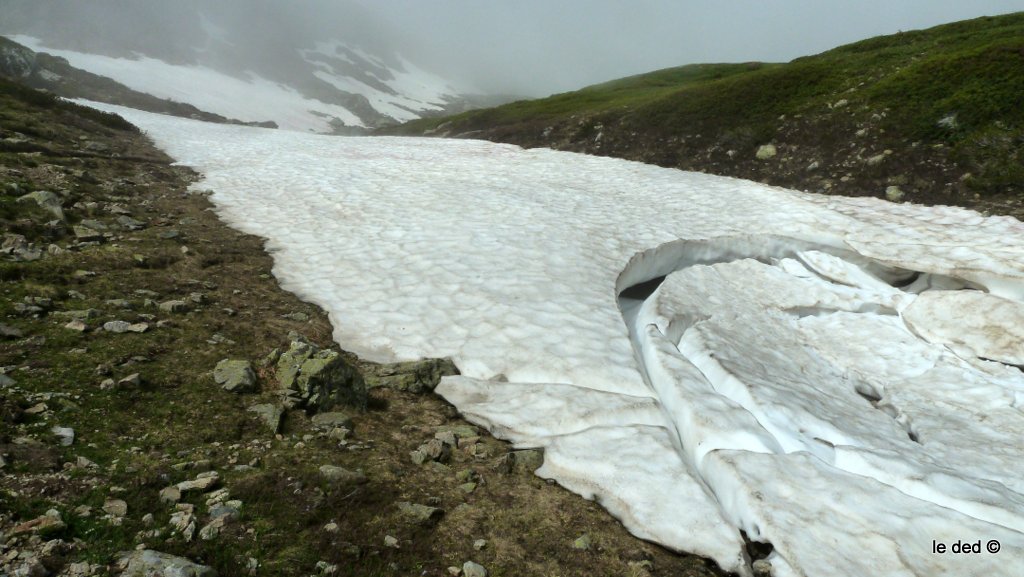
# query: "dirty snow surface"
[837,377]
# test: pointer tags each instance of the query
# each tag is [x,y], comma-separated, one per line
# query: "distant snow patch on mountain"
[402,93]
[253,99]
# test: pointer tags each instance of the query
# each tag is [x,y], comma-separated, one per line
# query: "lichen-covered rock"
[235,376]
[174,306]
[45,526]
[332,420]
[412,376]
[203,482]
[47,201]
[471,569]
[269,414]
[150,563]
[766,151]
[86,234]
[422,515]
[321,379]
[528,460]
[341,476]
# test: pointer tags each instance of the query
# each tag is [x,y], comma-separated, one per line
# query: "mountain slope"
[936,113]
[55,75]
[242,60]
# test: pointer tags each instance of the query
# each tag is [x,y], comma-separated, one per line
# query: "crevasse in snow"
[716,360]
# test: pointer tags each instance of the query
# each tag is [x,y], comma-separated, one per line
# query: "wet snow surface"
[836,377]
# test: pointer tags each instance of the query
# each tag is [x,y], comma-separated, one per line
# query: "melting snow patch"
[831,376]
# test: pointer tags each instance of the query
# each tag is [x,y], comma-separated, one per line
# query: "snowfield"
[837,377]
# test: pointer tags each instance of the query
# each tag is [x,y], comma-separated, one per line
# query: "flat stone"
[235,376]
[130,223]
[269,414]
[339,433]
[460,431]
[95,224]
[229,512]
[7,332]
[410,376]
[149,563]
[528,460]
[86,234]
[331,420]
[174,306]
[766,151]
[44,526]
[78,315]
[132,380]
[37,409]
[341,475]
[212,529]
[447,437]
[876,160]
[115,507]
[117,327]
[170,495]
[471,569]
[77,326]
[422,515]
[203,482]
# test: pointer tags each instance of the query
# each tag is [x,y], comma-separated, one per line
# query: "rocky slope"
[265,61]
[930,116]
[55,75]
[165,404]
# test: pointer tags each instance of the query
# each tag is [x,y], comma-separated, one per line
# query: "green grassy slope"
[960,85]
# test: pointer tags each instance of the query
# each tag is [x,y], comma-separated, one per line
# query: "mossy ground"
[178,423]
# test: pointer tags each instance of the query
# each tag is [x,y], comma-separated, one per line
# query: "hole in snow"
[868,393]
[1012,366]
[865,308]
[643,290]
[905,281]
[757,550]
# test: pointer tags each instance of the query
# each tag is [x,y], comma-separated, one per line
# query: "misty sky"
[537,47]
[511,47]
